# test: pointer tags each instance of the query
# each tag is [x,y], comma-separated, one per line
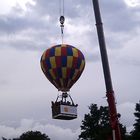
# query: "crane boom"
[107,76]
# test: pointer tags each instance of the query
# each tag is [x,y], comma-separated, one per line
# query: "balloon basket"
[64,108]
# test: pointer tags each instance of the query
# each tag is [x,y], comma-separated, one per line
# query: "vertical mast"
[107,76]
[62,18]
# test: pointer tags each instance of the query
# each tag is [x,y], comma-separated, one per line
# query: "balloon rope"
[62,37]
[62,18]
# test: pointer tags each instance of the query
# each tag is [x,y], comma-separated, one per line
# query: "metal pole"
[107,76]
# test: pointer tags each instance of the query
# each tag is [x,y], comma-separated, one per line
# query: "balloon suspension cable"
[66,95]
[64,98]
[62,19]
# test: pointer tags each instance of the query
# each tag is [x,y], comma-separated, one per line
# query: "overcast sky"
[28,27]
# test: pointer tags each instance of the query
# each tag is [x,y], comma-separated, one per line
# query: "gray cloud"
[127,110]
[118,17]
[53,131]
[38,27]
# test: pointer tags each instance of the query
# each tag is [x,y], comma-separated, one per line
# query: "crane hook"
[62,19]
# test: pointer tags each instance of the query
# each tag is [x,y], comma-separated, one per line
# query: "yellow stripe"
[43,67]
[58,51]
[64,72]
[52,61]
[75,74]
[52,74]
[82,65]
[69,61]
[43,56]
[75,52]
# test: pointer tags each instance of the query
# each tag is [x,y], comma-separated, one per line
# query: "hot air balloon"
[63,65]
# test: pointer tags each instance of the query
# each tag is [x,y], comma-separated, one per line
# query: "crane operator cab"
[64,108]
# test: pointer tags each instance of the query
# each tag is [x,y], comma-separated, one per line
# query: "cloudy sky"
[28,27]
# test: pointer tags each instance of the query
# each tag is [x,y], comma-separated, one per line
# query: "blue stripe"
[69,51]
[64,61]
[72,73]
[78,63]
[52,52]
[49,76]
[59,72]
[48,63]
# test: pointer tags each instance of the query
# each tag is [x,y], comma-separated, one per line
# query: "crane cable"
[62,18]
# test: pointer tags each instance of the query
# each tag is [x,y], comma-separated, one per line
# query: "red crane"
[114,122]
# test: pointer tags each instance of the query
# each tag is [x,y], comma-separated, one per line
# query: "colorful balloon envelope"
[62,65]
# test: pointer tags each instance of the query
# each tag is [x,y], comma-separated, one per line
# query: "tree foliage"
[31,135]
[136,132]
[96,126]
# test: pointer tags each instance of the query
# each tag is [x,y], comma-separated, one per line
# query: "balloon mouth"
[63,89]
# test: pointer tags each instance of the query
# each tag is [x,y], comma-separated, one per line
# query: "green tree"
[95,125]
[136,132]
[30,135]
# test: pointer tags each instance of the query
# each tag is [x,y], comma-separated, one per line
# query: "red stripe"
[64,51]
[75,60]
[79,54]
[55,72]
[58,61]
[47,53]
[68,72]
[44,65]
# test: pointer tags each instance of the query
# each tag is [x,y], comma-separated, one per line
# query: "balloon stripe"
[47,53]
[55,73]
[64,72]
[48,64]
[52,62]
[43,56]
[74,62]
[69,82]
[82,65]
[52,74]
[78,63]
[64,61]
[52,52]
[69,61]
[59,72]
[58,61]
[75,74]
[61,81]
[68,72]
[42,66]
[57,51]
[64,51]
[69,51]
[75,52]
[72,73]
[78,75]
[48,75]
